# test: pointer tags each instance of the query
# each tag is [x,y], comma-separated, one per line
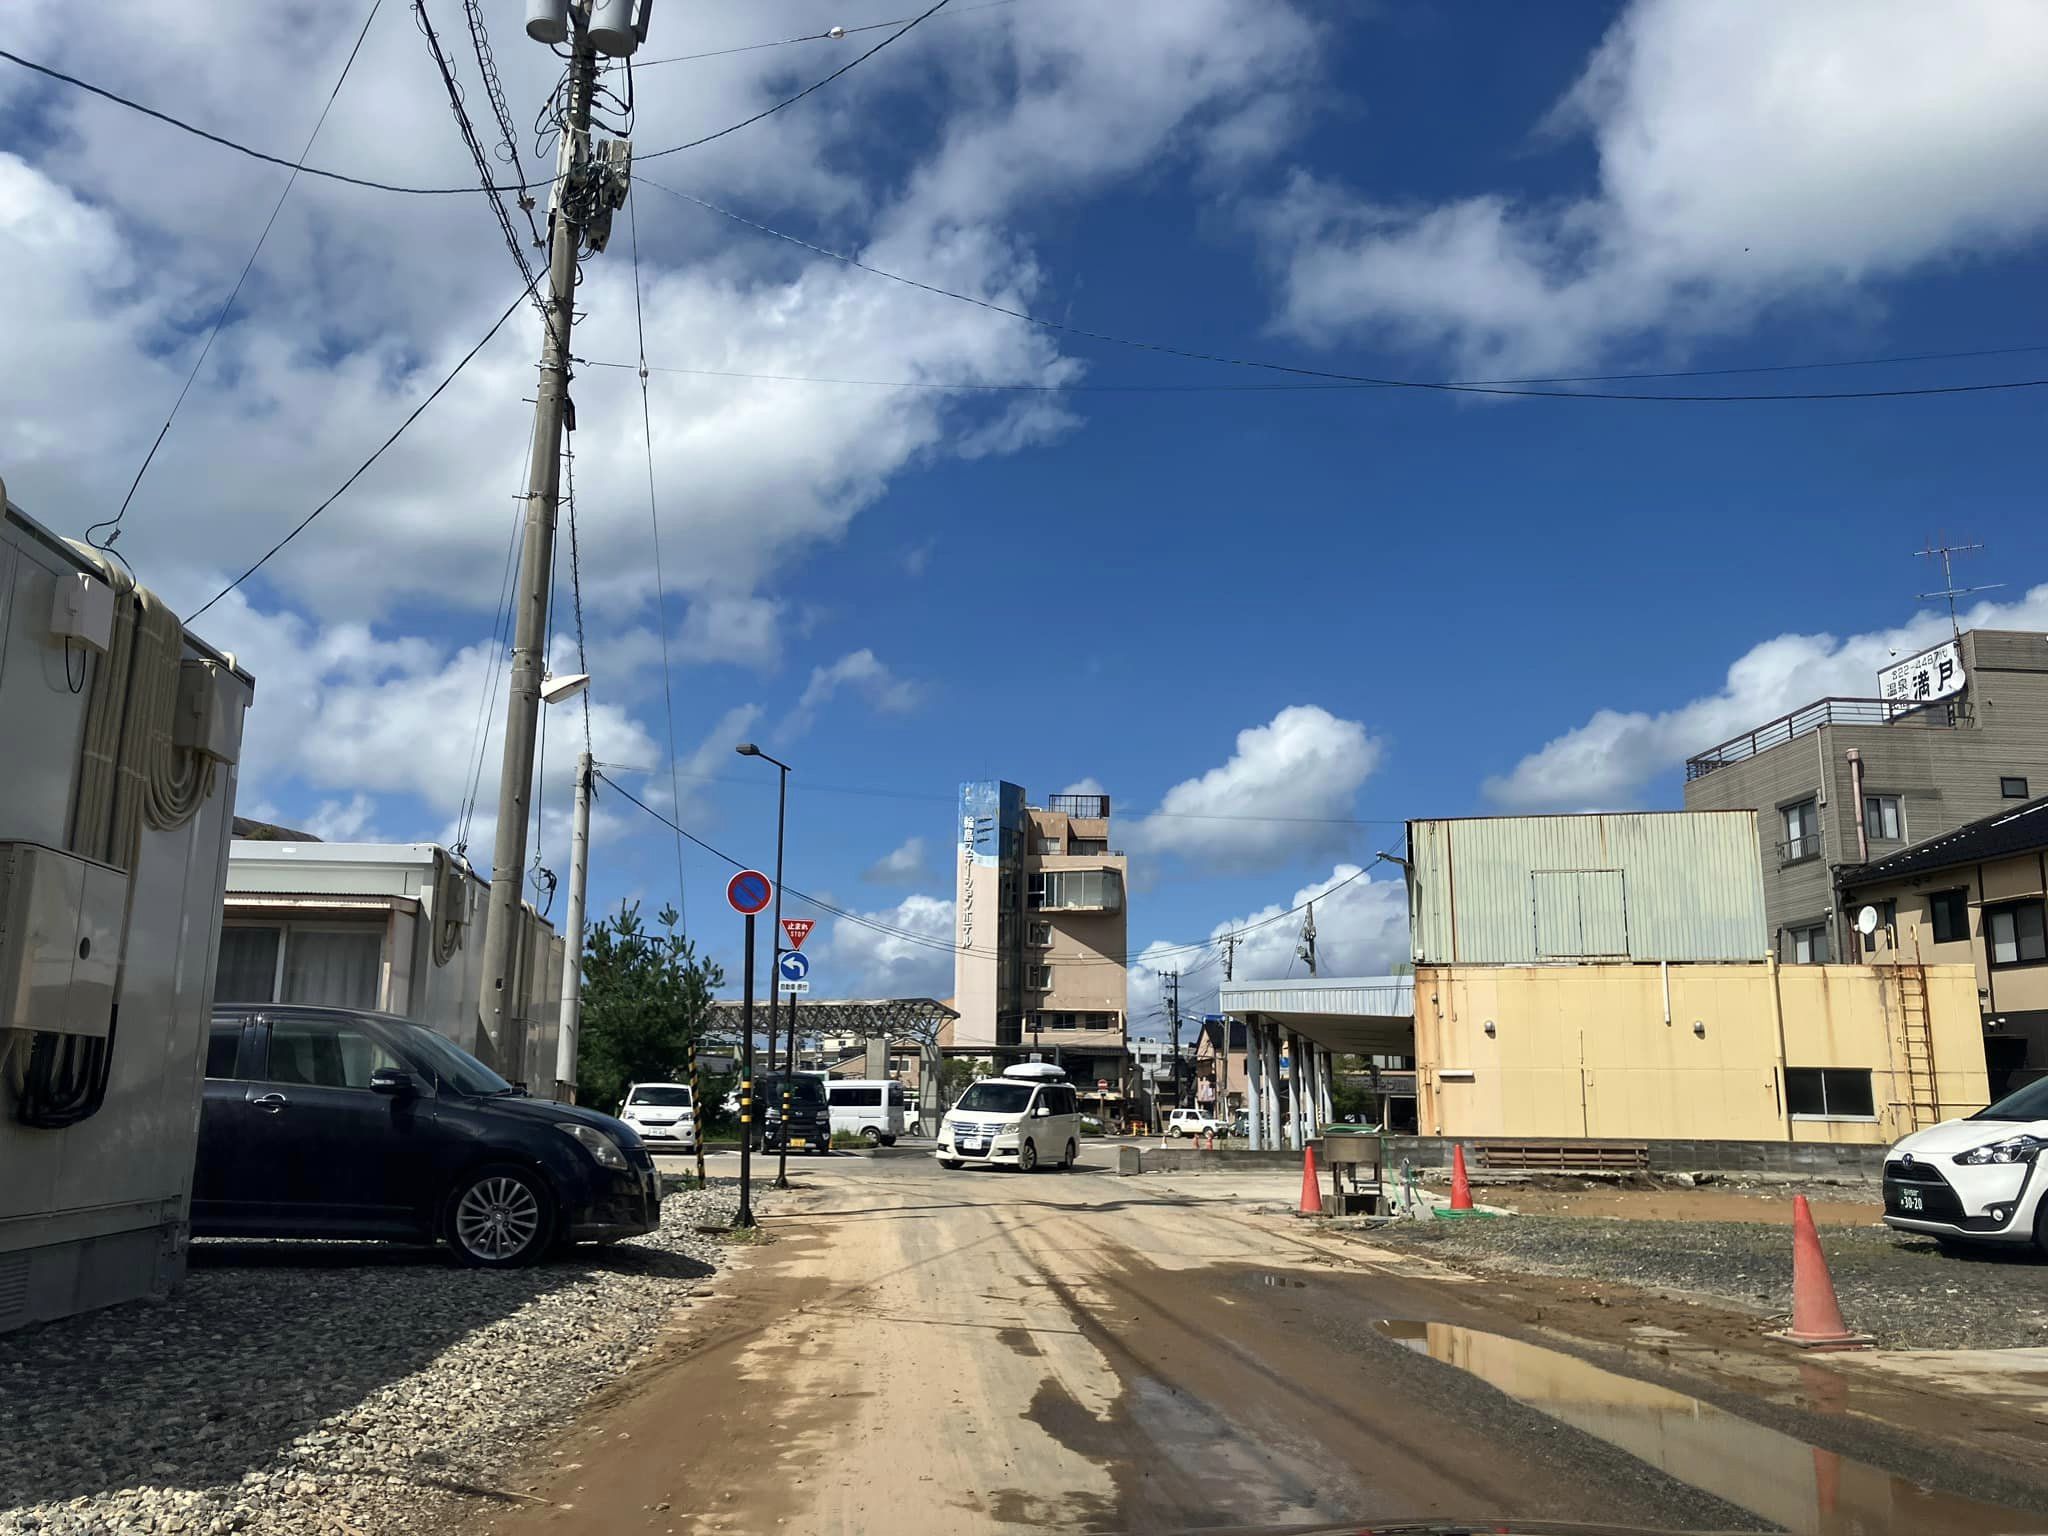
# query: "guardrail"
[1939,715]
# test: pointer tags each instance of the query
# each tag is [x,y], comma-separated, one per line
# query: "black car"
[810,1115]
[334,1122]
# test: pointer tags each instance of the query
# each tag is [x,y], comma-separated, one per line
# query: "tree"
[955,1074]
[646,998]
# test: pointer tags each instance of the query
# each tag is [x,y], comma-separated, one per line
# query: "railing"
[1793,849]
[1801,722]
[1092,807]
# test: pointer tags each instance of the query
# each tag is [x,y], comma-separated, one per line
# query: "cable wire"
[508,138]
[412,416]
[833,35]
[815,85]
[1442,386]
[501,632]
[575,572]
[660,590]
[234,293]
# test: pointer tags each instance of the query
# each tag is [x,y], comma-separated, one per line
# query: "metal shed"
[1637,885]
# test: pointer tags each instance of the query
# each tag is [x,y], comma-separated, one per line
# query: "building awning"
[1355,1015]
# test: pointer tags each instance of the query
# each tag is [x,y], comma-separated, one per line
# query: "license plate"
[798,1141]
[1909,1200]
[973,1146]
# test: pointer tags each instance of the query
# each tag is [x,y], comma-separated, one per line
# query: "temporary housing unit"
[119,735]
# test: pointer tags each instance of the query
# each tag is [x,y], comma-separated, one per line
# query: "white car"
[1191,1122]
[1980,1180]
[663,1114]
[1025,1119]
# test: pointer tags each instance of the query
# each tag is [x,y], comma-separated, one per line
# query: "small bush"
[848,1140]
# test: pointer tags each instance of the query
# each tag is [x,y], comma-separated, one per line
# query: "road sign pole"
[745,1218]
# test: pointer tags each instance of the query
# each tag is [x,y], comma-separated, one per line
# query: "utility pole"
[1173,1013]
[587,187]
[1230,943]
[572,926]
[1306,950]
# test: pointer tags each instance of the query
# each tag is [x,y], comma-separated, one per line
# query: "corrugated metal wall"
[1523,890]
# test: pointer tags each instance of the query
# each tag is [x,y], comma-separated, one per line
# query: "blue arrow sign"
[794,966]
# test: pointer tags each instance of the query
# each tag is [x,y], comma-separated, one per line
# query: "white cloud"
[334,821]
[1361,930]
[1282,795]
[858,961]
[1750,154]
[860,671]
[1085,786]
[1612,759]
[901,865]
[743,630]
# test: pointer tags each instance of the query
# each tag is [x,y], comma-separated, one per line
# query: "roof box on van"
[1036,1071]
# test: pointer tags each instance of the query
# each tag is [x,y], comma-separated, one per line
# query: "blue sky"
[1335,608]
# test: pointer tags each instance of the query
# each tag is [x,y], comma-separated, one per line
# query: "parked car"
[663,1113]
[341,1123]
[1027,1117]
[1980,1180]
[870,1108]
[1191,1122]
[810,1127]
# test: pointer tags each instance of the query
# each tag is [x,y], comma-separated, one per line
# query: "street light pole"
[748,749]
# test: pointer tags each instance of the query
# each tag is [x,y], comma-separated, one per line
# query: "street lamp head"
[747,749]
[563,686]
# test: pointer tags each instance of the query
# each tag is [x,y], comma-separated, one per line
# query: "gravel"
[1904,1290]
[325,1388]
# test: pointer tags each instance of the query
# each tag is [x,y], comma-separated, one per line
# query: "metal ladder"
[1922,1102]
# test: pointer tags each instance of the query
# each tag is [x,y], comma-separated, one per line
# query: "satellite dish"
[1866,921]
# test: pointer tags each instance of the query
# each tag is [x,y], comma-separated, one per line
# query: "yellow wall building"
[1840,1053]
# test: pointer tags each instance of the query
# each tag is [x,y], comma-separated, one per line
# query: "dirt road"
[922,1351]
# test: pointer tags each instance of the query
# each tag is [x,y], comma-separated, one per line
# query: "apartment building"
[1976,896]
[1040,931]
[1946,737]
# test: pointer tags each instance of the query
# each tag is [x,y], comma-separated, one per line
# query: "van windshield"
[996,1098]
[804,1092]
[661,1095]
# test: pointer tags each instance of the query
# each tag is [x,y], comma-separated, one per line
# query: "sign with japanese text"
[797,929]
[1933,674]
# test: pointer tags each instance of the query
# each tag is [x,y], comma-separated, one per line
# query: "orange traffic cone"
[1816,1315]
[1311,1190]
[1461,1187]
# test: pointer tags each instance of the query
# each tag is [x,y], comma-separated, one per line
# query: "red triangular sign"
[796,930]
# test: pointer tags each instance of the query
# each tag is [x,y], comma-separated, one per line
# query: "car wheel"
[1027,1157]
[871,1136]
[949,1162]
[2041,1224]
[1073,1154]
[500,1218]
[1173,1130]
[888,1141]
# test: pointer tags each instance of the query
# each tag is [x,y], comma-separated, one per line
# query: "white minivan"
[871,1108]
[1027,1117]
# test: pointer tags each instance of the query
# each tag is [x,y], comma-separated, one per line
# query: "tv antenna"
[1946,551]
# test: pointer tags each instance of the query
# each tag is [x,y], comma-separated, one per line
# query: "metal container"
[1535,890]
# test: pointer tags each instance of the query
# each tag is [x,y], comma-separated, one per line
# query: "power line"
[1146,956]
[790,101]
[1150,388]
[660,590]
[493,673]
[411,417]
[832,35]
[508,137]
[1441,386]
[234,293]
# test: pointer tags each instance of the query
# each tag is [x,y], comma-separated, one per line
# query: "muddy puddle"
[1804,1488]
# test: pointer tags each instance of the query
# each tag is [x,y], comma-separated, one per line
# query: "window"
[1038,977]
[1051,843]
[857,1098]
[319,1055]
[1039,935]
[1809,945]
[1075,890]
[1802,831]
[1882,820]
[2012,789]
[1887,921]
[1829,1093]
[1948,914]
[2015,934]
[223,1044]
[247,972]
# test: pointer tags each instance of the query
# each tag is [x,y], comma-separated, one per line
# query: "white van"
[868,1107]
[663,1114]
[1027,1117]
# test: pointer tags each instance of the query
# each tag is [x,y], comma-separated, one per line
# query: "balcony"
[1074,890]
[1940,715]
[1087,807]
[1796,850]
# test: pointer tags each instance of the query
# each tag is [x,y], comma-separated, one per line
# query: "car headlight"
[2014,1149]
[596,1143]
